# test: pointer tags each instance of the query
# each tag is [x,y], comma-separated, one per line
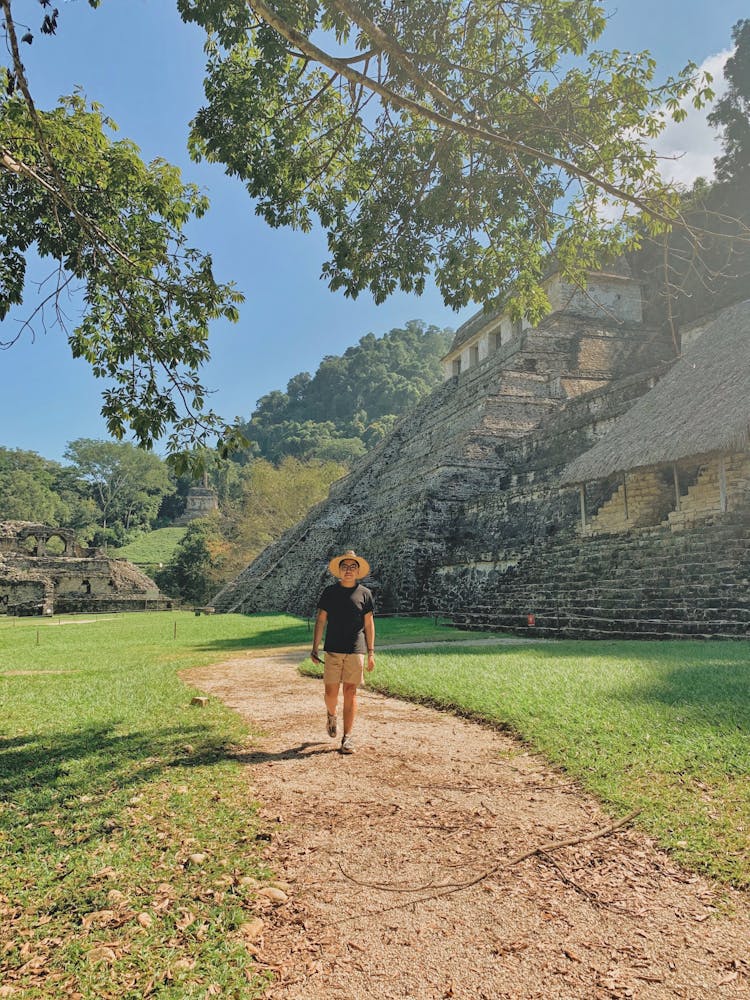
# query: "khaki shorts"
[346,668]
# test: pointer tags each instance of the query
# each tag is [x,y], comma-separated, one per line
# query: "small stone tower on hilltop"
[201,502]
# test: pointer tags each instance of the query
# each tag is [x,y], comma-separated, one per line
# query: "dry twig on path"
[446,888]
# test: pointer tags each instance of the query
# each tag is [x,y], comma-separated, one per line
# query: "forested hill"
[352,400]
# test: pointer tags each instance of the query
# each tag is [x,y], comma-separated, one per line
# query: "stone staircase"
[649,584]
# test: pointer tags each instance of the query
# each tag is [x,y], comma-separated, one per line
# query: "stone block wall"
[647,584]
[611,299]
[704,497]
[607,295]
[37,582]
[646,498]
[74,605]
[25,596]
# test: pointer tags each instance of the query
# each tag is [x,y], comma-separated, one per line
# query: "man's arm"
[370,637]
[320,624]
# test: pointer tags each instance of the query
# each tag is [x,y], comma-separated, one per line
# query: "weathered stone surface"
[202,501]
[650,583]
[34,580]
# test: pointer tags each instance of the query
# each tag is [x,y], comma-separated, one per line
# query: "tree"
[464,139]
[265,501]
[732,111]
[328,416]
[23,498]
[274,498]
[345,450]
[683,280]
[194,573]
[126,483]
[27,489]
[302,440]
[33,488]
[113,226]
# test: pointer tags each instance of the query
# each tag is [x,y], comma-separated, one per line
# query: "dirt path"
[430,799]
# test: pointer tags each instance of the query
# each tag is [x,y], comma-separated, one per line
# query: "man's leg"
[352,678]
[332,697]
[332,677]
[350,707]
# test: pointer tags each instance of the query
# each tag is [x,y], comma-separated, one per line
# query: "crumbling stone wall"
[32,581]
[202,501]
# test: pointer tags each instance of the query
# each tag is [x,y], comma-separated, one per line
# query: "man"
[345,610]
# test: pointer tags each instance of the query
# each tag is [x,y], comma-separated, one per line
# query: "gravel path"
[359,844]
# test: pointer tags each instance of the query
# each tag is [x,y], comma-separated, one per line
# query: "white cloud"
[689,147]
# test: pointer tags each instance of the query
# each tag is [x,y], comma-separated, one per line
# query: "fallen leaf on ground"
[100,918]
[107,872]
[186,918]
[275,895]
[101,954]
[184,964]
[253,929]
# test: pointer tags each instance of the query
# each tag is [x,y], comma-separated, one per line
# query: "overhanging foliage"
[463,139]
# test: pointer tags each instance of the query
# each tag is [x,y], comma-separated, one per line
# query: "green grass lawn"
[109,782]
[152,548]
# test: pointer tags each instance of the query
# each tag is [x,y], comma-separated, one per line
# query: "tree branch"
[313,52]
[446,888]
[60,190]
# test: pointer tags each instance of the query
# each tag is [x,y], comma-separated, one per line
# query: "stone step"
[611,630]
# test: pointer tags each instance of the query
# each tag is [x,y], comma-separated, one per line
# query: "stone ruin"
[44,571]
[201,501]
[474,507]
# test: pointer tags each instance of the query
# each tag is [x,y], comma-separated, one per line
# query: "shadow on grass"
[84,774]
[80,781]
[713,693]
[295,636]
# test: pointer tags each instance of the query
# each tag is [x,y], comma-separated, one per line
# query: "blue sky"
[146,67]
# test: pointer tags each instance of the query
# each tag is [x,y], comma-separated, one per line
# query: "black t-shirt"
[346,608]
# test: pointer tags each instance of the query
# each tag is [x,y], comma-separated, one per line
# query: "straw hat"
[364,566]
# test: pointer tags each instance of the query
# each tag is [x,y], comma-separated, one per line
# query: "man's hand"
[370,662]
[314,656]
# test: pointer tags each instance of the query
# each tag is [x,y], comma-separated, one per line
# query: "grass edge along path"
[131,856]
[657,726]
